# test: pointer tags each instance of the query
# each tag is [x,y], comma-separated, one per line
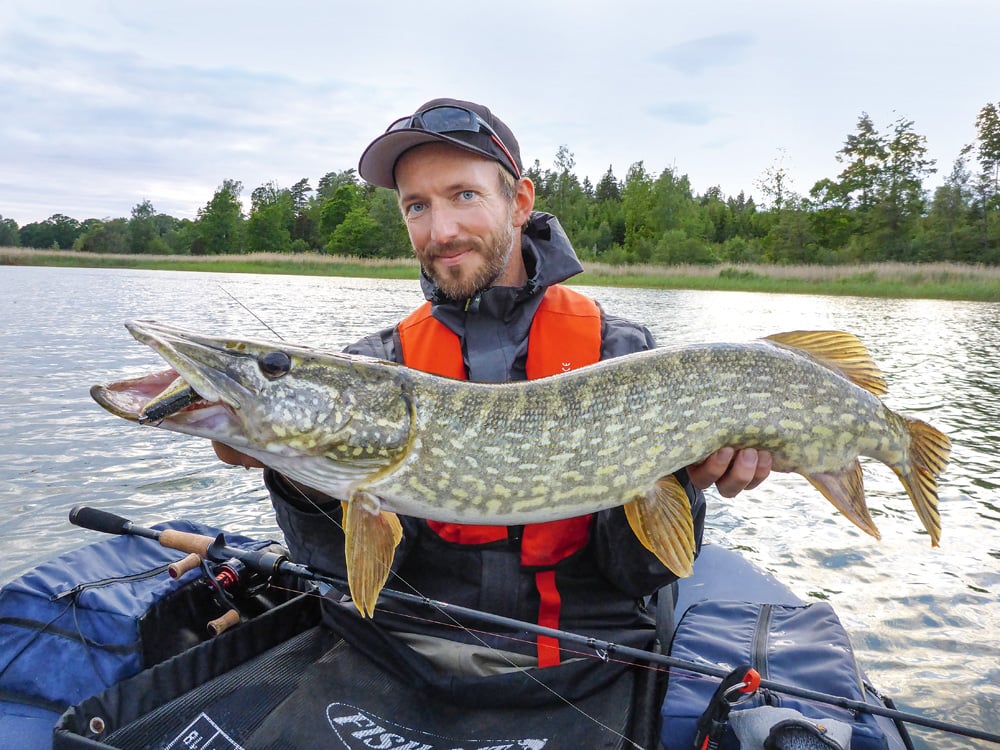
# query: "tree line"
[875,209]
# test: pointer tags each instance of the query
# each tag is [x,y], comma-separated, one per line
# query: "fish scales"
[387,439]
[594,438]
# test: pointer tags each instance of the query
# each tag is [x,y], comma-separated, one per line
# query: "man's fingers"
[706,473]
[765,462]
[740,474]
[731,471]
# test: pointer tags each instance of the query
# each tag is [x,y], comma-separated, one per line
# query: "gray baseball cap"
[467,125]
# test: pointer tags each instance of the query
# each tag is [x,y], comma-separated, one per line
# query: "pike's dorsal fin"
[846,491]
[661,520]
[370,539]
[839,351]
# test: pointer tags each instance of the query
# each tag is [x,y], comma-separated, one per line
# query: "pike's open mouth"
[150,398]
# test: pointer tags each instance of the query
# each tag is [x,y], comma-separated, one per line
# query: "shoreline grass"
[948,281]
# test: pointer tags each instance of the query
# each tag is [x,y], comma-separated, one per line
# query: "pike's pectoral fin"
[846,490]
[661,519]
[370,537]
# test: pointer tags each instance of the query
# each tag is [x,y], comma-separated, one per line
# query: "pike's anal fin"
[845,489]
[371,536]
[661,520]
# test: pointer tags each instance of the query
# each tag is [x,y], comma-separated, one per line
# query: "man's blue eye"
[468,195]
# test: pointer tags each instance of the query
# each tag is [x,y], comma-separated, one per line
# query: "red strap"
[548,616]
[548,543]
[565,334]
[464,533]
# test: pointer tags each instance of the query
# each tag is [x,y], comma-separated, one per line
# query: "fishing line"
[255,315]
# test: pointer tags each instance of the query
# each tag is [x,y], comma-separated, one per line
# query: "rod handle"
[99,520]
[222,624]
[182,566]
[185,541]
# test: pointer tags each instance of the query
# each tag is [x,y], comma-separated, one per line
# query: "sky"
[107,103]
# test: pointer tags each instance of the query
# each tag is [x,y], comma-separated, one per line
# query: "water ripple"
[925,622]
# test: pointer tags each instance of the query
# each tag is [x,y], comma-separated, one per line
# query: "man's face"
[462,228]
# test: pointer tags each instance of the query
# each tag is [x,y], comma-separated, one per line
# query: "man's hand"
[731,471]
[234,457]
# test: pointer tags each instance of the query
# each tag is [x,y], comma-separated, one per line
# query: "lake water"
[925,622]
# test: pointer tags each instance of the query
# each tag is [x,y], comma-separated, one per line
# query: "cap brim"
[378,163]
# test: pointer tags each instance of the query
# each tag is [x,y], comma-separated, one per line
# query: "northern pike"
[387,439]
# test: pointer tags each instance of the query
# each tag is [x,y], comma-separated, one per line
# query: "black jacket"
[601,586]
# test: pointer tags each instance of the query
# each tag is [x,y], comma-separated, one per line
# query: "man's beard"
[452,279]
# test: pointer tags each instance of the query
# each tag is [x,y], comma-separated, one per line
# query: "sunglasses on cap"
[452,119]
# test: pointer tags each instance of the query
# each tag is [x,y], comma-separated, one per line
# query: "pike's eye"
[275,364]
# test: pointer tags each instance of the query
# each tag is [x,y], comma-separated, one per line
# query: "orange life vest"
[565,334]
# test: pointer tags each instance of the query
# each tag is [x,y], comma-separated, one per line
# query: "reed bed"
[901,280]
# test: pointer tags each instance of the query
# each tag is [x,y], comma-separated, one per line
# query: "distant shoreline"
[948,281]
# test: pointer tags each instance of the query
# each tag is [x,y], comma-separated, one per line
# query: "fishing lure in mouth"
[178,395]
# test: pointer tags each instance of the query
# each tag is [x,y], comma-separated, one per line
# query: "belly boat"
[126,643]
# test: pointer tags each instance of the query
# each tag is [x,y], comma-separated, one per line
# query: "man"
[491,272]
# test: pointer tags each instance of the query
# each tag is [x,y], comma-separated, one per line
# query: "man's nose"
[444,224]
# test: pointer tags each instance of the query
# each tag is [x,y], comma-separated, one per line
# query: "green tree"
[565,188]
[111,236]
[608,188]
[177,235]
[272,218]
[987,184]
[948,233]
[393,240]
[336,207]
[542,182]
[604,225]
[639,207]
[57,231]
[305,226]
[329,182]
[791,239]
[142,229]
[864,154]
[882,185]
[776,185]
[743,213]
[674,208]
[901,194]
[9,234]
[220,223]
[988,151]
[358,234]
[831,219]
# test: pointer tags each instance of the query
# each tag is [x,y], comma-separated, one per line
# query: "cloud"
[699,55]
[126,119]
[684,112]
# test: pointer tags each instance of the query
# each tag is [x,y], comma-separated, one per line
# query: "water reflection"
[925,622]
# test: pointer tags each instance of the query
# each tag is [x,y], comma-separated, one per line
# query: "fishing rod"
[271,563]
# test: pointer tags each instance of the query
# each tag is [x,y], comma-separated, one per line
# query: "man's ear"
[524,201]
